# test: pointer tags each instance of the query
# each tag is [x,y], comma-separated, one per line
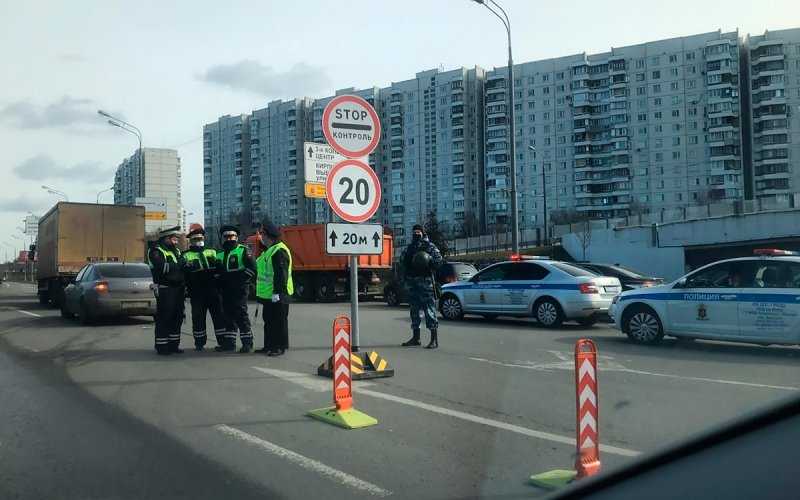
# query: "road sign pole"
[354,302]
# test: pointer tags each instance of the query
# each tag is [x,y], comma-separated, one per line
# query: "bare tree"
[469,226]
[584,233]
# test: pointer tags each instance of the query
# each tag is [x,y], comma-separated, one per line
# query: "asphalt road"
[91,412]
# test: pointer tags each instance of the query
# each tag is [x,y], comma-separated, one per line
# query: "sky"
[171,67]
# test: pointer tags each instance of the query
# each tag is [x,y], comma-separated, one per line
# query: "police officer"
[166,264]
[420,259]
[200,271]
[274,288]
[236,270]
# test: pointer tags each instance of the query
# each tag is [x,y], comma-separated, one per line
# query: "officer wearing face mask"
[420,259]
[274,288]
[166,265]
[236,270]
[200,269]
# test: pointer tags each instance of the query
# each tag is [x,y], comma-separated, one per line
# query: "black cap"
[418,226]
[196,229]
[228,228]
[170,231]
[271,230]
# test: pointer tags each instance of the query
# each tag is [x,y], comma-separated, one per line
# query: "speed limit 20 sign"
[351,126]
[353,190]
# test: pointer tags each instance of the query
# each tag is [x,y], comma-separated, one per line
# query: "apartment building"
[157,177]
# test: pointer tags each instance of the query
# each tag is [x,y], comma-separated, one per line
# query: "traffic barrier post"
[587,418]
[342,414]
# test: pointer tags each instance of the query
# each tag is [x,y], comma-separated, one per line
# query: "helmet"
[421,262]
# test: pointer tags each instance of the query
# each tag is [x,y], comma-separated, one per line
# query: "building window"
[676,141]
[641,90]
[639,63]
[673,86]
[657,101]
[676,155]
[642,117]
[690,84]
[657,115]
[673,71]
[676,113]
[673,58]
[689,56]
[656,88]
[639,77]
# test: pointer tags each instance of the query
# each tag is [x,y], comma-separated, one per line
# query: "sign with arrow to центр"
[353,239]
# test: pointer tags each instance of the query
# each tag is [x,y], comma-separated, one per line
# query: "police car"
[752,299]
[550,291]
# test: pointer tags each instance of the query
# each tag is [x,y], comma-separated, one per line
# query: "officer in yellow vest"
[236,270]
[200,270]
[274,288]
[166,264]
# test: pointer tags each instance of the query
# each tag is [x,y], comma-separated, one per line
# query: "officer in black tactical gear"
[236,270]
[166,265]
[420,260]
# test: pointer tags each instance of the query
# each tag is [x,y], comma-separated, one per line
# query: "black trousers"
[234,305]
[169,317]
[276,325]
[203,301]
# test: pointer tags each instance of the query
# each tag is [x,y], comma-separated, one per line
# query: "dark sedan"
[109,289]
[629,278]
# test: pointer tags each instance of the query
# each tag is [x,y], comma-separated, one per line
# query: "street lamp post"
[512,124]
[56,192]
[130,128]
[101,192]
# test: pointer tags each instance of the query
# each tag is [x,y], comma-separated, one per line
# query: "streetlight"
[127,127]
[512,147]
[101,192]
[544,196]
[56,192]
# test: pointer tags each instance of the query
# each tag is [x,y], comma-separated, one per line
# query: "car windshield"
[123,270]
[573,270]
[463,269]
[618,270]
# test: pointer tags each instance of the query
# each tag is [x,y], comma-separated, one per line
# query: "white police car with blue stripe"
[550,291]
[752,299]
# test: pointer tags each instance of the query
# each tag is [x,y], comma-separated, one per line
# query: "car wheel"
[489,316]
[548,313]
[451,308]
[64,312]
[326,290]
[44,298]
[642,325]
[84,316]
[587,322]
[390,295]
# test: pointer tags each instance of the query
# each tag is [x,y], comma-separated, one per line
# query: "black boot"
[414,341]
[434,343]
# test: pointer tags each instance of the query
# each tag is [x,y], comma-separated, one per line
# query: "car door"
[704,303]
[769,307]
[482,294]
[72,291]
[522,285]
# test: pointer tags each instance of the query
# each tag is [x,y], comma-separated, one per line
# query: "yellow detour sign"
[314,190]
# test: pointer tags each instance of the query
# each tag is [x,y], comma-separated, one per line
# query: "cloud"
[252,76]
[71,57]
[24,204]
[68,112]
[42,167]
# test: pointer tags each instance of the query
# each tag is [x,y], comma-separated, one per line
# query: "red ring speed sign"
[353,190]
[351,126]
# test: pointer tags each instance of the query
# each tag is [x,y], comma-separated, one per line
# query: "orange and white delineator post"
[587,461]
[342,414]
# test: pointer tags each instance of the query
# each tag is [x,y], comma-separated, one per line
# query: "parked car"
[109,289]
[630,279]
[396,292]
[550,291]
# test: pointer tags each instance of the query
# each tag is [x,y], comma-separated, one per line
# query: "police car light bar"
[515,257]
[774,252]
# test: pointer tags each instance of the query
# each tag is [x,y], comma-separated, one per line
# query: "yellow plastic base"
[348,419]
[554,479]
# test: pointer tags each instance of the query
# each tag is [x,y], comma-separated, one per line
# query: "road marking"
[30,313]
[318,385]
[305,462]
[616,367]
[310,382]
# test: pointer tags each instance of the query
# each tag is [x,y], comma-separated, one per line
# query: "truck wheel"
[326,290]
[642,325]
[392,300]
[302,290]
[548,313]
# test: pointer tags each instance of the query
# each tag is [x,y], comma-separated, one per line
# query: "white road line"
[305,462]
[298,378]
[30,313]
[616,367]
[310,382]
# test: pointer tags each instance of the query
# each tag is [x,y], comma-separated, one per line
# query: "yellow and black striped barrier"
[363,365]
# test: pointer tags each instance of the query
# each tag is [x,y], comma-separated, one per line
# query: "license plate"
[611,289]
[135,305]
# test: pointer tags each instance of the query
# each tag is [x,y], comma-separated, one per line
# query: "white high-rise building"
[158,181]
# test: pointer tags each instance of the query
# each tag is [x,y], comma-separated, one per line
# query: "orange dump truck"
[319,276]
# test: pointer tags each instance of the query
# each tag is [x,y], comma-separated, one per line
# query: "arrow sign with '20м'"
[351,126]
[353,239]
